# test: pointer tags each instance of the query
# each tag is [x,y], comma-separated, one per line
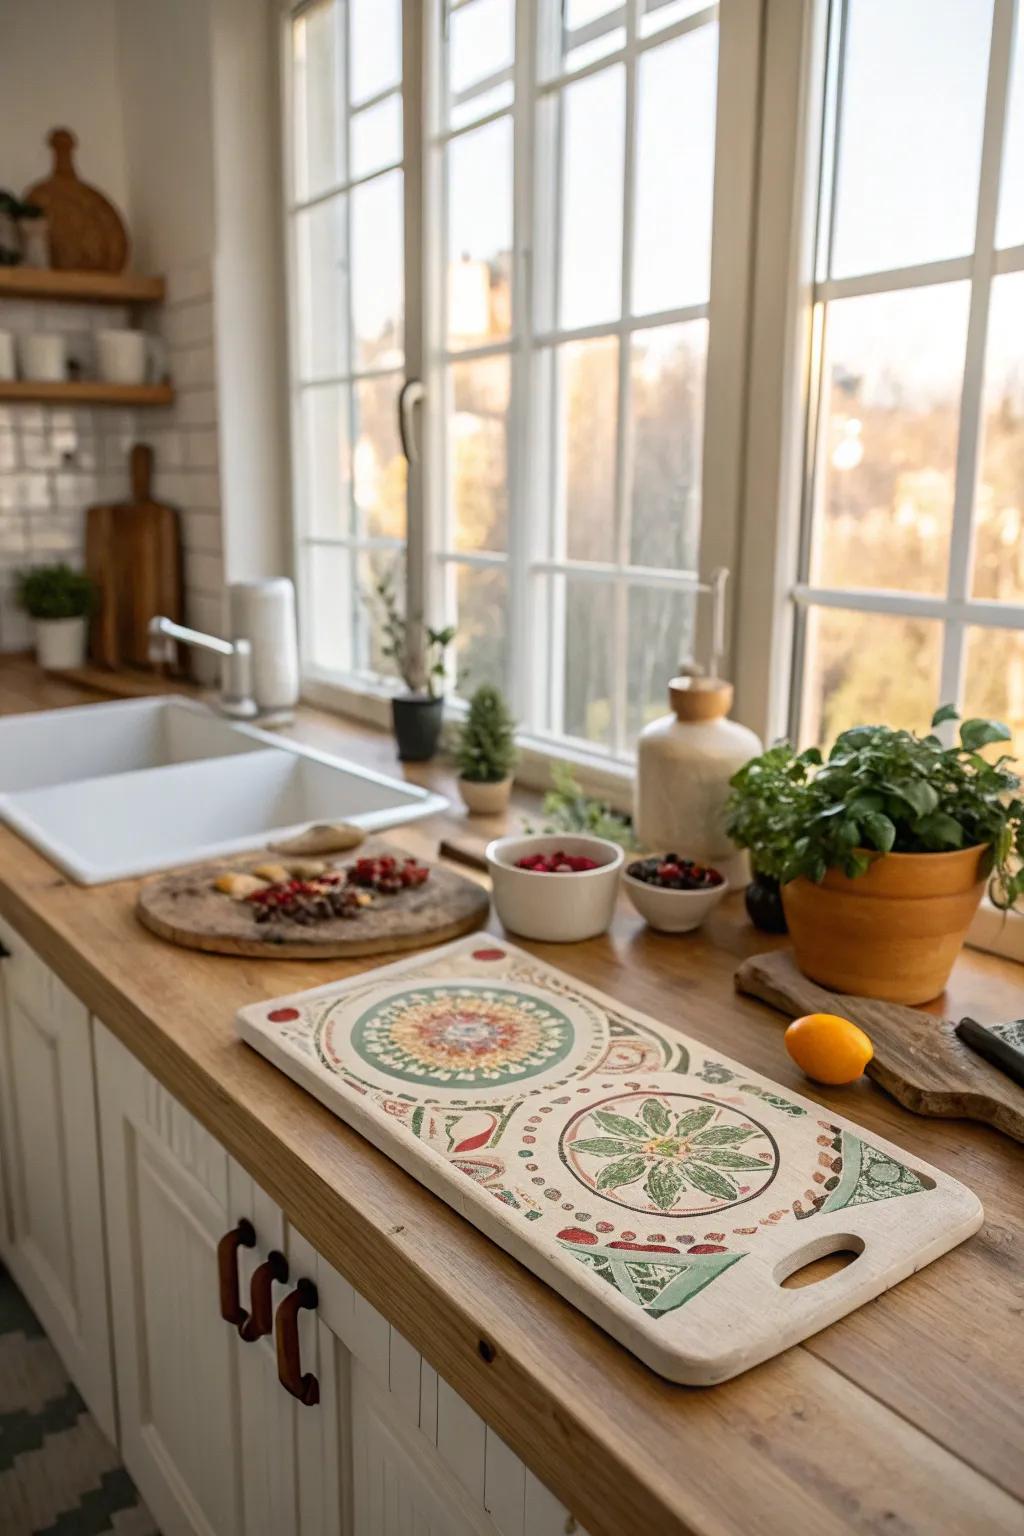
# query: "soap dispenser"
[685,760]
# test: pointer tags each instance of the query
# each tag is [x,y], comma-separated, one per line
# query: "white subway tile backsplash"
[188,282]
[192,367]
[8,451]
[189,325]
[204,573]
[201,449]
[197,408]
[202,533]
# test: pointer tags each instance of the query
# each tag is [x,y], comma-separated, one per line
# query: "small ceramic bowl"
[557,909]
[672,911]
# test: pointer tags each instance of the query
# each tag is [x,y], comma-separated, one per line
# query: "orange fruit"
[828,1048]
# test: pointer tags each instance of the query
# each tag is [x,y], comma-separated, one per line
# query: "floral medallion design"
[462,1036]
[669,1154]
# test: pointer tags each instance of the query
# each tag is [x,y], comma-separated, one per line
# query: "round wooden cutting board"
[186,909]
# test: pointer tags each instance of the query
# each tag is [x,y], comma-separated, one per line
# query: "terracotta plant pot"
[895,932]
[485,799]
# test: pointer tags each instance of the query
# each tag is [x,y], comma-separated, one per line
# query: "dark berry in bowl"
[672,873]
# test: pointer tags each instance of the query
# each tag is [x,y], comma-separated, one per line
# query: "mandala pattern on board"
[669,1154]
[656,1277]
[853,1172]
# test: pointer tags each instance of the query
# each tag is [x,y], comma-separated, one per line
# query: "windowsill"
[998,933]
[370,703]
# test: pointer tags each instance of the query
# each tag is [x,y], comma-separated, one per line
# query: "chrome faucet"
[236,697]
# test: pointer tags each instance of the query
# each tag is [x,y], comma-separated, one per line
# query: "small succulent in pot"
[418,653]
[760,817]
[59,600]
[486,752]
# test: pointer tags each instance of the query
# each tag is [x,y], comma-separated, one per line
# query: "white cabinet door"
[52,1237]
[215,1443]
[167,1206]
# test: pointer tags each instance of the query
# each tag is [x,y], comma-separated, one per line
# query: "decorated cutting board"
[189,909]
[662,1189]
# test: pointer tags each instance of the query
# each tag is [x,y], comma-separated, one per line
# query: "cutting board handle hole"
[818,1261]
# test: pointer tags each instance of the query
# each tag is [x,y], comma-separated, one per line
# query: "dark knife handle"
[998,1052]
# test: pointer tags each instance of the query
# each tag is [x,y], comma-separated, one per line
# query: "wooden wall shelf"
[81,287]
[85,392]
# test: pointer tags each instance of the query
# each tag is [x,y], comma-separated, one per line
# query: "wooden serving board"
[86,231]
[185,909]
[918,1058]
[663,1191]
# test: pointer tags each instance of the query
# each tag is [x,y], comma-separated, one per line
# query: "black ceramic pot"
[417,721]
[763,901]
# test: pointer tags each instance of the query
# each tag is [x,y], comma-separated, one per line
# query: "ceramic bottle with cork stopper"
[685,760]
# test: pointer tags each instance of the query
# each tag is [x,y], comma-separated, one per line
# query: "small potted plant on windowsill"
[59,600]
[487,753]
[418,653]
[891,843]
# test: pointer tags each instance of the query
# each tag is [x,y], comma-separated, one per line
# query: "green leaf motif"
[944,713]
[722,1135]
[940,828]
[656,1116]
[711,1182]
[626,1171]
[619,1125]
[603,1146]
[694,1119]
[663,1184]
[721,1157]
[919,795]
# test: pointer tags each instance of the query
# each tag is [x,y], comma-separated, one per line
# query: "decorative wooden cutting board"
[918,1058]
[185,909]
[662,1190]
[86,232]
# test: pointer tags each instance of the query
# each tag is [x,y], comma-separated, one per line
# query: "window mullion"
[619,658]
[977,326]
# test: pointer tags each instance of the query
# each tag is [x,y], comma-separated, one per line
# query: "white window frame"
[725,390]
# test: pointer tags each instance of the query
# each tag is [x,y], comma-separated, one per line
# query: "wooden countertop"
[906,1417]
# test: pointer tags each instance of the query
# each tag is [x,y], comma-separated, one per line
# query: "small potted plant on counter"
[892,842]
[59,601]
[418,653]
[487,753]
[760,817]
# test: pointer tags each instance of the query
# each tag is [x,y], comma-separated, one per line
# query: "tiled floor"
[58,1475]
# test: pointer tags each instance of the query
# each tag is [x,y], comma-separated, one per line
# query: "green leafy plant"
[486,751]
[55,592]
[761,812]
[396,627]
[567,809]
[886,791]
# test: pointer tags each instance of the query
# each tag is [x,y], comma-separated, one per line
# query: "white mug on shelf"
[44,357]
[128,357]
[7,368]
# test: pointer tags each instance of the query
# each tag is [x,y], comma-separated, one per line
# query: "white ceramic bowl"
[672,911]
[557,909]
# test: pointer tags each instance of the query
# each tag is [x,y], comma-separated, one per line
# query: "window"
[346,248]
[911,586]
[562,310]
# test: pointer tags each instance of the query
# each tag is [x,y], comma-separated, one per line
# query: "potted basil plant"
[760,817]
[892,842]
[486,753]
[417,714]
[59,600]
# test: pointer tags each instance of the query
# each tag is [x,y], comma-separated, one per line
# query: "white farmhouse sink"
[111,791]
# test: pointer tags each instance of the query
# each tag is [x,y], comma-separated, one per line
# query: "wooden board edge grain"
[562,1395]
[354,949]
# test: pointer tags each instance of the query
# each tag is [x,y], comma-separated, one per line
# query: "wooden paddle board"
[86,230]
[918,1058]
[664,1191]
[186,909]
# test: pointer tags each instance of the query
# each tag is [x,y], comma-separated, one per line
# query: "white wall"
[163,48]
[59,69]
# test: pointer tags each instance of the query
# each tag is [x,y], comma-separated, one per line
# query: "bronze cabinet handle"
[286,1326]
[260,1321]
[240,1236]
